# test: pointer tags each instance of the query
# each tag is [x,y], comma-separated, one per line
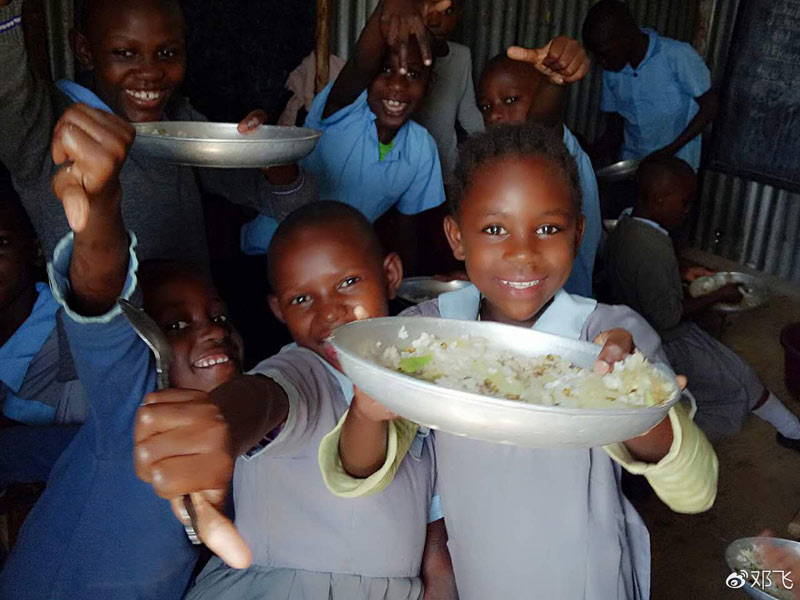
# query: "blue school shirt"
[347,167]
[580,280]
[657,99]
[98,531]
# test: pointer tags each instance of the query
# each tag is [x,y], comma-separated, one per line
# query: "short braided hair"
[504,141]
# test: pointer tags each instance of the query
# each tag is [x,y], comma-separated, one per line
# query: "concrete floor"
[759,481]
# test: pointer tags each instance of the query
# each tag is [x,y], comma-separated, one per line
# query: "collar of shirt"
[21,348]
[78,93]
[344,383]
[565,316]
[652,224]
[652,48]
[397,144]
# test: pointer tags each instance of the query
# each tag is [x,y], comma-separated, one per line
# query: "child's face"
[138,55]
[19,256]
[393,97]
[322,274]
[207,350]
[613,54]
[518,233]
[675,206]
[442,23]
[503,97]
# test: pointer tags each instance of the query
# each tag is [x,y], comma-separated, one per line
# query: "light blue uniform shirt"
[347,167]
[657,99]
[580,281]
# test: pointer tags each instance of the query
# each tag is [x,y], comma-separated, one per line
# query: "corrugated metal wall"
[489,26]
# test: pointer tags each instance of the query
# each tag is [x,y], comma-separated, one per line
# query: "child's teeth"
[521,285]
[144,95]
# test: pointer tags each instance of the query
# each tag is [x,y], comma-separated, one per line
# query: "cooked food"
[751,560]
[470,364]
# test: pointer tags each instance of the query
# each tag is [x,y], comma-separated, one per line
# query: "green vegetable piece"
[412,364]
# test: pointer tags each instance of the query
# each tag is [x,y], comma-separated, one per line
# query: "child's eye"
[495,230]
[510,100]
[484,107]
[298,300]
[449,11]
[386,69]
[123,53]
[4,241]
[546,230]
[176,326]
[349,281]
[167,53]
[413,75]
[220,320]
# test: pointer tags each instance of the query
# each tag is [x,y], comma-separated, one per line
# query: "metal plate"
[757,292]
[480,417]
[420,289]
[619,171]
[201,144]
[732,558]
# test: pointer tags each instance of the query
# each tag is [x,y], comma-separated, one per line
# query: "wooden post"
[322,46]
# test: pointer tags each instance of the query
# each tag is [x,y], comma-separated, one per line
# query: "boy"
[370,155]
[643,272]
[326,268]
[97,529]
[134,51]
[513,91]
[658,87]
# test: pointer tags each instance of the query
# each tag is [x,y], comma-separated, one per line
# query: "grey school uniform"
[643,273]
[535,523]
[160,201]
[307,543]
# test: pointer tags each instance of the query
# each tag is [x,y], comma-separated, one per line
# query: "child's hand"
[252,121]
[729,293]
[94,145]
[617,344]
[182,446]
[562,60]
[402,19]
[370,409]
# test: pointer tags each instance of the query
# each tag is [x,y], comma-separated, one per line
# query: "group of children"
[332,495]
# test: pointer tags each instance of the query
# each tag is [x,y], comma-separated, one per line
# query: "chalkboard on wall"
[757,133]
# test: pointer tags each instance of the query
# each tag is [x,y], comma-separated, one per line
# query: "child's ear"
[275,307]
[580,229]
[80,46]
[393,272]
[453,233]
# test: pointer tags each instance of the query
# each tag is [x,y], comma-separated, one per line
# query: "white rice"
[470,364]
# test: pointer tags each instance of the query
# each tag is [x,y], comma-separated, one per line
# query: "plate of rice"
[502,383]
[420,289]
[203,144]
[749,568]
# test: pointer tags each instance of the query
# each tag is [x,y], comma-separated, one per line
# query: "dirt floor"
[759,481]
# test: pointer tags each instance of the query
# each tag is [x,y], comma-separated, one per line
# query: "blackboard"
[757,133]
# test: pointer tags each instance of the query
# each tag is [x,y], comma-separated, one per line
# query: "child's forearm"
[361,68]
[253,405]
[99,264]
[654,445]
[363,444]
[709,106]
[437,566]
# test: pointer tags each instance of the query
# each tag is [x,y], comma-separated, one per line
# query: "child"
[659,87]
[519,519]
[513,91]
[38,384]
[97,530]
[642,272]
[326,268]
[134,51]
[451,98]
[371,156]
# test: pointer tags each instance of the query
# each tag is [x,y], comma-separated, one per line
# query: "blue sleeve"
[27,454]
[608,101]
[342,116]
[112,363]
[580,280]
[427,189]
[257,234]
[690,71]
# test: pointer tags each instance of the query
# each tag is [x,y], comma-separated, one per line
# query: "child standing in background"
[520,520]
[657,91]
[135,53]
[514,92]
[643,272]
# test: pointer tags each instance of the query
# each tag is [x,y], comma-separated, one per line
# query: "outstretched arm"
[709,107]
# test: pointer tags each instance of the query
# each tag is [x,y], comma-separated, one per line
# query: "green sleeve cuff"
[686,478]
[401,435]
